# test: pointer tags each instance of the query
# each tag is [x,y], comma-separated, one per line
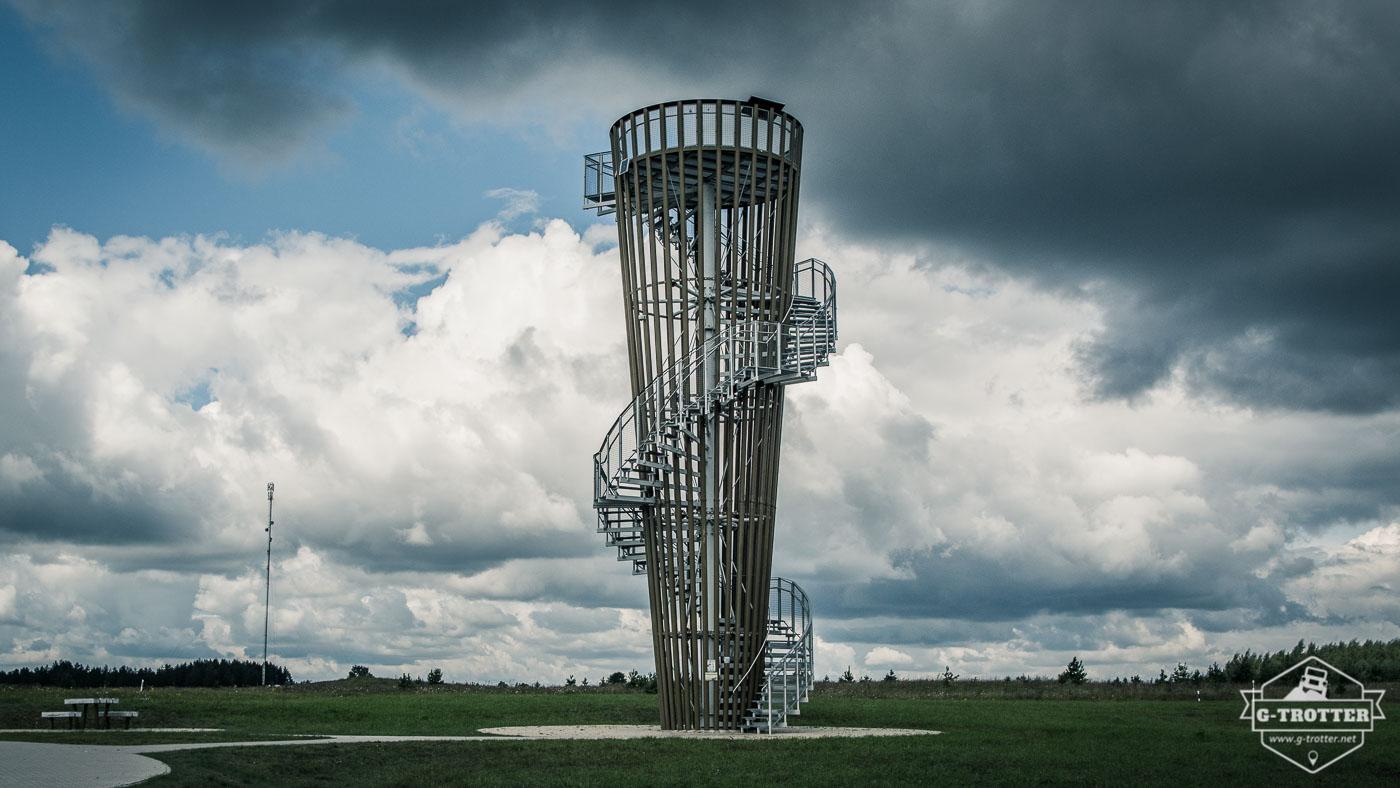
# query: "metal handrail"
[795,348]
[599,187]
[677,125]
[738,685]
[799,660]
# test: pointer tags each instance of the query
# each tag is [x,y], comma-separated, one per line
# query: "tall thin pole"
[709,252]
[267,596]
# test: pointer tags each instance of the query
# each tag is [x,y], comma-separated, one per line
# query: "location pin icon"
[1312,757]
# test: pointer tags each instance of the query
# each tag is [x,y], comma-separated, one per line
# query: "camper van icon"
[1311,686]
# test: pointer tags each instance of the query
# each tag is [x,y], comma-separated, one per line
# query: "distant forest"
[1374,660]
[1371,661]
[200,673]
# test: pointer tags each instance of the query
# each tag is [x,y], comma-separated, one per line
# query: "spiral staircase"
[630,469]
[787,662]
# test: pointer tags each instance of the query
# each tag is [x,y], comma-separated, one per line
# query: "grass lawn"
[361,706]
[987,739]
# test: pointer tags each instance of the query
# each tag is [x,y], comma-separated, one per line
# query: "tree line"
[199,673]
[1373,660]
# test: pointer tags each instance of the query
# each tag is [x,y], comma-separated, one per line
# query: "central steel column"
[709,254]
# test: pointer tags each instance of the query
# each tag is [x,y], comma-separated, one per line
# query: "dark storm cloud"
[238,78]
[911,631]
[1229,169]
[972,587]
[487,548]
[574,620]
[1226,170]
[62,507]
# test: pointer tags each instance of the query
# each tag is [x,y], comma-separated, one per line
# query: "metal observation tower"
[719,319]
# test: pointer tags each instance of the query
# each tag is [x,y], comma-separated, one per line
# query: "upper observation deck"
[751,150]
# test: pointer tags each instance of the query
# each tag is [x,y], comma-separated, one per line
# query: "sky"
[1118,376]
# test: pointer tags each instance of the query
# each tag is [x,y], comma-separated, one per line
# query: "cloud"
[945,470]
[1224,174]
[299,345]
[1353,581]
[518,202]
[213,78]
[451,447]
[1118,374]
[947,495]
[885,657]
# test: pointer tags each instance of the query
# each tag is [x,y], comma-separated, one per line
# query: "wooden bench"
[72,717]
[122,715]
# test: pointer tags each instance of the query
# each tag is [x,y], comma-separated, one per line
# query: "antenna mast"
[267,597]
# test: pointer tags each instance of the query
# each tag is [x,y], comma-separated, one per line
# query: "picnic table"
[101,709]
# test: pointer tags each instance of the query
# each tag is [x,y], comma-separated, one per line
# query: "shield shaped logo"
[1312,715]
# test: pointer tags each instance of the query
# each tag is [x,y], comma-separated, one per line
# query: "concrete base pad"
[33,765]
[653,731]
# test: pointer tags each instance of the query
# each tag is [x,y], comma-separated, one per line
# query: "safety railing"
[742,354]
[709,123]
[599,187]
[787,680]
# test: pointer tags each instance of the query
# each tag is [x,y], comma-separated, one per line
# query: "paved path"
[43,765]
[33,765]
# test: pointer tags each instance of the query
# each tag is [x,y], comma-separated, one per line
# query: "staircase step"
[676,450]
[609,501]
[682,430]
[794,377]
[684,474]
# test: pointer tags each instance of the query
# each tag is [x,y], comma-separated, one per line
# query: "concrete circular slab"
[41,765]
[654,731]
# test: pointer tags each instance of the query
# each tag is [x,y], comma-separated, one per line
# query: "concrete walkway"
[44,765]
[33,765]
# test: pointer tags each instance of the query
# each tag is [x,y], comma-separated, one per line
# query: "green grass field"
[1019,734]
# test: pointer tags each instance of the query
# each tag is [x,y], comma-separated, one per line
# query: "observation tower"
[719,320]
